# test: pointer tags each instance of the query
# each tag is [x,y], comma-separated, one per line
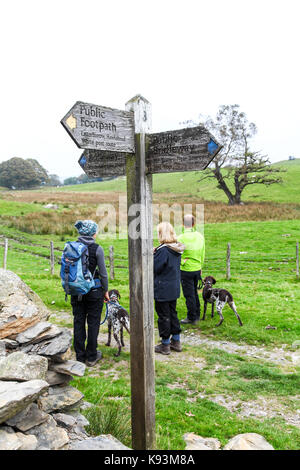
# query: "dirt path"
[281,356]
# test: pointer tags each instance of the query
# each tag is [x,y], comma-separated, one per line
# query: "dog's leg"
[119,345]
[109,333]
[116,329]
[212,310]
[233,307]
[220,305]
[204,310]
[121,336]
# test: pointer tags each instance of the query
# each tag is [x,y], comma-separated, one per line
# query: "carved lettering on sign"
[97,163]
[180,150]
[100,128]
[167,152]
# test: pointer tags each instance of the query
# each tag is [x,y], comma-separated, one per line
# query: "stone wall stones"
[39,410]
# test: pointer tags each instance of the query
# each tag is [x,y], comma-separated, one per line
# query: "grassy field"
[266,291]
[187,184]
[263,268]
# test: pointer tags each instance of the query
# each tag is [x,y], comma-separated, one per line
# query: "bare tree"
[236,164]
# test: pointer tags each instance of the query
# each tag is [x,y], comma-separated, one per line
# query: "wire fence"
[229,264]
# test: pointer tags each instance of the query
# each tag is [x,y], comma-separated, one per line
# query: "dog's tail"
[126,324]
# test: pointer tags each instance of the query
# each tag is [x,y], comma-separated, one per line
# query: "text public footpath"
[95,112]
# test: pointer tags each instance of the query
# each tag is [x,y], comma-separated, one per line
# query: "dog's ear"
[118,294]
[213,280]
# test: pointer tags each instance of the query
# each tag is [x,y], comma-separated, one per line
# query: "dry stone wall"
[39,410]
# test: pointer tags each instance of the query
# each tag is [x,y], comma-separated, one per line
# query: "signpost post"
[118,143]
[140,254]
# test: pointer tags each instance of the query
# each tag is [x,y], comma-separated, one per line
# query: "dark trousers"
[189,283]
[168,323]
[88,310]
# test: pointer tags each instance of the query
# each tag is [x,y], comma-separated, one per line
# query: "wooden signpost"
[167,152]
[138,154]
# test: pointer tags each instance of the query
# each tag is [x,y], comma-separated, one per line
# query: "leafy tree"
[236,163]
[40,172]
[83,178]
[22,174]
[71,180]
[54,180]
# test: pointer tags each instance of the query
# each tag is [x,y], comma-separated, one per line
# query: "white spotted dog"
[219,296]
[117,318]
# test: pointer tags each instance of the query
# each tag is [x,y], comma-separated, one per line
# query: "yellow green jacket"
[192,259]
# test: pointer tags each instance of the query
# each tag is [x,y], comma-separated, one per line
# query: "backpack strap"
[93,264]
[92,248]
[67,270]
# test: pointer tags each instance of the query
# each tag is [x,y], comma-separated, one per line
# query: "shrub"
[110,418]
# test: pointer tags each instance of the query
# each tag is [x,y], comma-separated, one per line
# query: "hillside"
[187,183]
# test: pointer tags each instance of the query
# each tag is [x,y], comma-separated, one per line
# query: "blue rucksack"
[76,277]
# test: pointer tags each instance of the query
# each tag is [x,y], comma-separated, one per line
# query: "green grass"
[246,380]
[18,208]
[187,182]
[113,419]
[263,283]
[266,292]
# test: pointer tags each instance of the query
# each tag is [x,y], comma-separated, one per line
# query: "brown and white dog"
[117,318]
[219,296]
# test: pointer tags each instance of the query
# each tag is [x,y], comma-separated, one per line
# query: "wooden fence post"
[111,263]
[52,260]
[297,260]
[5,253]
[228,276]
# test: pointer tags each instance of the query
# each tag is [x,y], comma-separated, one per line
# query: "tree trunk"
[238,188]
[222,185]
[237,197]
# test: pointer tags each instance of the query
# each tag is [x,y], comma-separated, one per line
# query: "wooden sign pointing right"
[187,149]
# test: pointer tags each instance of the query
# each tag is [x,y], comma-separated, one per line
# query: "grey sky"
[186,57]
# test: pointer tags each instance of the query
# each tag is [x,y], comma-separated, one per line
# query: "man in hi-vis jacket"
[192,260]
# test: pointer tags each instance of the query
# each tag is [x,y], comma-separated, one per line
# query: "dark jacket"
[166,262]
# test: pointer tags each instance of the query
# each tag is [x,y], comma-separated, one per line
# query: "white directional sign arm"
[100,128]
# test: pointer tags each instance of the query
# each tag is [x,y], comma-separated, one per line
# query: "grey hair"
[188,220]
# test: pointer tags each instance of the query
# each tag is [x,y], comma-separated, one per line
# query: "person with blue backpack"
[84,277]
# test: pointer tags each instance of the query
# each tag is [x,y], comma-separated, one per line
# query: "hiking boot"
[93,363]
[187,321]
[162,348]
[175,345]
